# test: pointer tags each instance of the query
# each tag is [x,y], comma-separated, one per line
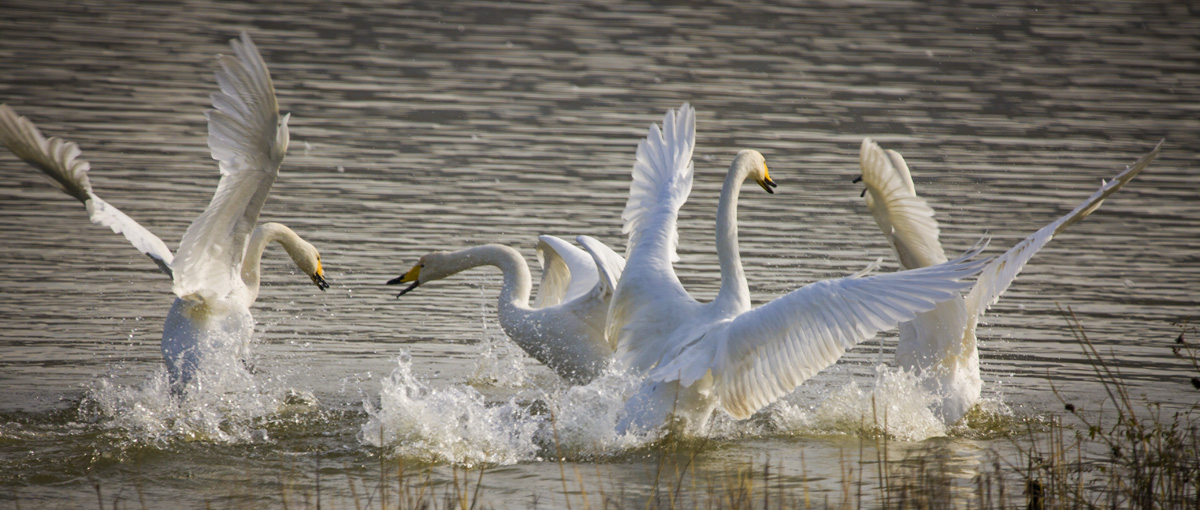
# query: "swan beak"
[856,181]
[319,279]
[767,184]
[413,275]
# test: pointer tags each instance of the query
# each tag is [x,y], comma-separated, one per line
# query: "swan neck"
[252,258]
[735,292]
[517,286]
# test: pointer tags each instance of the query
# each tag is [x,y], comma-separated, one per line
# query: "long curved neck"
[514,293]
[735,292]
[259,239]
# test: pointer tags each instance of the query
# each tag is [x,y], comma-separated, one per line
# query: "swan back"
[248,138]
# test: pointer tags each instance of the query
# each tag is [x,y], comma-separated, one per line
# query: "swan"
[940,344]
[696,356]
[215,274]
[565,327]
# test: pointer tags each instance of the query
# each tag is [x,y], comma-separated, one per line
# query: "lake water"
[430,125]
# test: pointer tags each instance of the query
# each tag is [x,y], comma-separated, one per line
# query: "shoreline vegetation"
[1132,454]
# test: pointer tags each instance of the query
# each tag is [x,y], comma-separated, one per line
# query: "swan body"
[698,357]
[940,344]
[215,273]
[565,327]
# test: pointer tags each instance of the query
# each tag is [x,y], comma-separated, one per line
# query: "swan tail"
[59,160]
[1003,270]
[248,137]
[905,219]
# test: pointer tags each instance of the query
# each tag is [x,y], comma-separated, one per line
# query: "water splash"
[225,403]
[456,424]
[895,403]
[453,424]
[501,363]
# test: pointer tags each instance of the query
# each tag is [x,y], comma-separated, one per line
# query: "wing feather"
[567,272]
[1000,273]
[248,137]
[59,160]
[608,263]
[905,219]
[662,181]
[818,322]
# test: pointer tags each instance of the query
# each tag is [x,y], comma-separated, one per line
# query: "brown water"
[429,126]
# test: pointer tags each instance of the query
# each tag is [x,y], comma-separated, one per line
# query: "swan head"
[753,165]
[306,257]
[430,267]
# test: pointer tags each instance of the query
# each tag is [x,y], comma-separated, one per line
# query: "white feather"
[722,353]
[940,344]
[216,274]
[248,137]
[567,272]
[59,160]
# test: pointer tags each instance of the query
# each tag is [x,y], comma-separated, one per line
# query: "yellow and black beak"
[413,275]
[318,277]
[767,183]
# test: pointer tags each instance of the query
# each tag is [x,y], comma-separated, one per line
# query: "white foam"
[501,363]
[895,402]
[452,424]
[223,403]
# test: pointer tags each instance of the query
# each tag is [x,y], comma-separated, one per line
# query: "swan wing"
[608,263]
[662,181]
[905,219]
[59,160]
[1000,273]
[248,138]
[567,272]
[765,353]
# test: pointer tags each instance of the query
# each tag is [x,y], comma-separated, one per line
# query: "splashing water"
[501,363]
[224,403]
[896,403]
[454,424]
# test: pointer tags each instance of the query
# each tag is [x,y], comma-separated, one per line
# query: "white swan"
[565,327]
[940,344]
[216,272]
[698,356]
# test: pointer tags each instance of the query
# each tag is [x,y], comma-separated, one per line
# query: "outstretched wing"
[59,159]
[662,181]
[765,353]
[248,137]
[905,219]
[1001,272]
[567,272]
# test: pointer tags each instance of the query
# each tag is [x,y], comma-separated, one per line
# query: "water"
[419,127]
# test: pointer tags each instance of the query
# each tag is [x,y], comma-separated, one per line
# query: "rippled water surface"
[432,125]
